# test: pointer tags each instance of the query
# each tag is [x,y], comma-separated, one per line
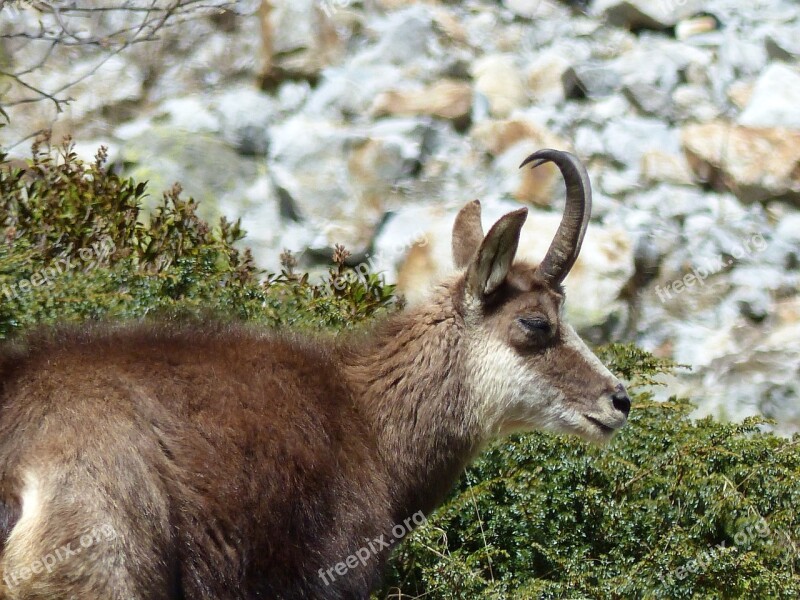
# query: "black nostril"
[621,400]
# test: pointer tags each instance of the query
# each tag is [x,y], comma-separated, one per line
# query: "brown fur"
[237,460]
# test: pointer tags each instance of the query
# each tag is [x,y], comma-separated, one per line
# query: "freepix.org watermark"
[329,7]
[699,274]
[48,562]
[373,547]
[743,538]
[91,257]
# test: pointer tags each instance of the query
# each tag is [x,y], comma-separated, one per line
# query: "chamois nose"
[621,400]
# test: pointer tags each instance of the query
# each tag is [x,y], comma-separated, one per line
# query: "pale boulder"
[447,99]
[755,164]
[500,81]
[544,75]
[664,167]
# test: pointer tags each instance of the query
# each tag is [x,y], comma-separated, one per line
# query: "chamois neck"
[408,374]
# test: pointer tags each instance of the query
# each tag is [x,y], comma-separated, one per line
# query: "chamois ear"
[467,234]
[490,266]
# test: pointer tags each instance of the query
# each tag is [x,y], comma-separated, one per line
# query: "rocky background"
[370,123]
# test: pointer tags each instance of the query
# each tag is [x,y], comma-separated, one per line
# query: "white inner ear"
[498,271]
[497,253]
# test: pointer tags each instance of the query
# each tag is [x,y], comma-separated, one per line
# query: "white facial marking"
[509,394]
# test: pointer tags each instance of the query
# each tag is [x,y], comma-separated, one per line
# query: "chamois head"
[528,369]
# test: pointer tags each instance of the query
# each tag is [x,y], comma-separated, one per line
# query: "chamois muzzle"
[566,245]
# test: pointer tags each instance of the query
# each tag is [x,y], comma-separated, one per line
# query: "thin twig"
[155,19]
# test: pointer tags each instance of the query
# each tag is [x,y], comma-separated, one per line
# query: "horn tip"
[535,163]
[540,157]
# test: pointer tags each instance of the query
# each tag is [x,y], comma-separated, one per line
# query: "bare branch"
[41,94]
[55,26]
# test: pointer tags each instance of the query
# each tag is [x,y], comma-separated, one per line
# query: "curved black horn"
[566,244]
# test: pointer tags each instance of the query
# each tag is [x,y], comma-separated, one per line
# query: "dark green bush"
[538,516]
[76,245]
[542,516]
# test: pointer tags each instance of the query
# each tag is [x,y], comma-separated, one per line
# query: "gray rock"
[669,202]
[744,57]
[484,29]
[607,109]
[536,9]
[694,102]
[239,115]
[544,74]
[658,167]
[752,369]
[293,26]
[588,142]
[338,179]
[590,80]
[649,83]
[783,44]
[292,95]
[788,230]
[527,9]
[605,208]
[188,113]
[350,89]
[308,160]
[651,73]
[783,250]
[245,115]
[627,139]
[652,98]
[258,207]
[636,14]
[101,84]
[402,36]
[615,183]
[497,77]
[302,37]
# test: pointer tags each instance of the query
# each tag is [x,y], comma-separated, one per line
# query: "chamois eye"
[535,324]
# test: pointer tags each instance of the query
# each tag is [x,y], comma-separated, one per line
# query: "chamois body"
[229,463]
[225,462]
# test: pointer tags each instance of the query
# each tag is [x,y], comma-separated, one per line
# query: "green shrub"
[538,516]
[76,246]
[543,516]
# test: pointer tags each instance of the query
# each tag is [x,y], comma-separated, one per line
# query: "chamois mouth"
[607,429]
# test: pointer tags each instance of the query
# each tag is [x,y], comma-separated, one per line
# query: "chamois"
[150,462]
